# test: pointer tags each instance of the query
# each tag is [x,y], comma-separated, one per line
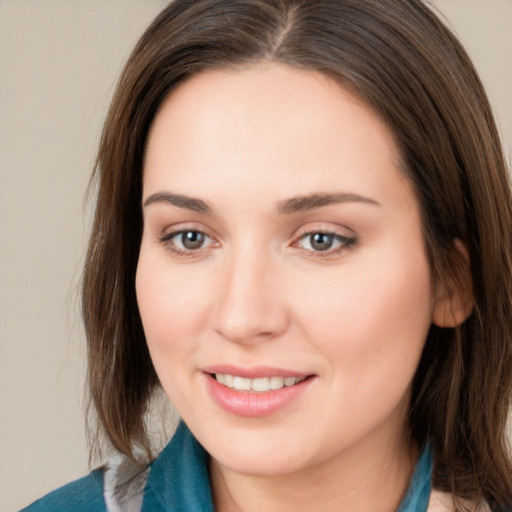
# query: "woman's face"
[282,254]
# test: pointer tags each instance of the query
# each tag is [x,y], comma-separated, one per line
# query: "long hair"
[407,66]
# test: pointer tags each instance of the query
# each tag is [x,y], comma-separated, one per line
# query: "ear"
[453,298]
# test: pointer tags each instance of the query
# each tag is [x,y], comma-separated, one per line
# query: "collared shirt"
[177,480]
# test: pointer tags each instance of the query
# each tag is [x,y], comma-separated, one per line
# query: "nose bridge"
[249,306]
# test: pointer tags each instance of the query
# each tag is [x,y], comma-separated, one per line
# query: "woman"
[303,235]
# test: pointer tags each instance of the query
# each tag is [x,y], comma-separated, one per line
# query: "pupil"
[321,241]
[192,239]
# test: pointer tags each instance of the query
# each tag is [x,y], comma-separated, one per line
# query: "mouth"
[257,392]
[257,385]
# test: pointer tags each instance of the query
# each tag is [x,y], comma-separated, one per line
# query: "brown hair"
[406,65]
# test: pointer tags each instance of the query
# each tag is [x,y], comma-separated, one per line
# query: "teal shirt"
[178,481]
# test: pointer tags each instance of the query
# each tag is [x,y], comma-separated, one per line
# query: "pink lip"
[250,404]
[253,372]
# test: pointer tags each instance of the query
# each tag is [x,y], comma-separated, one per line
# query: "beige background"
[58,62]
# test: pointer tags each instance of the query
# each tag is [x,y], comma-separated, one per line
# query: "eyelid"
[323,227]
[173,234]
[169,231]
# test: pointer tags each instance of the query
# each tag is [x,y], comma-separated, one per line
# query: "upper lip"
[254,372]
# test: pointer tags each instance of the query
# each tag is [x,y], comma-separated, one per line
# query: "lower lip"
[245,403]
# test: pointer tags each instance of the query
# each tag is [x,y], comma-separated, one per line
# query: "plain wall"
[58,63]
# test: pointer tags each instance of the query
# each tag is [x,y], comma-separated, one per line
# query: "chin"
[260,464]
[256,453]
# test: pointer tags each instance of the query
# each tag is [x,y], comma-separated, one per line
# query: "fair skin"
[281,238]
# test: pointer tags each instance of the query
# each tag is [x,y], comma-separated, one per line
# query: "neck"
[353,481]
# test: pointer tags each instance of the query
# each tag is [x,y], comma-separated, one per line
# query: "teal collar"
[418,494]
[178,478]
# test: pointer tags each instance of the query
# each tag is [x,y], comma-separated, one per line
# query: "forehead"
[252,97]
[299,126]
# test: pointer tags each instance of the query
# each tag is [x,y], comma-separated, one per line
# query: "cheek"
[170,305]
[371,311]
[172,313]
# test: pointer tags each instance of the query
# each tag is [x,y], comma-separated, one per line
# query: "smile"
[253,394]
[258,385]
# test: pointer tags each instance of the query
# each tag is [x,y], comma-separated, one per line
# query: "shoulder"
[83,495]
[179,475]
[117,487]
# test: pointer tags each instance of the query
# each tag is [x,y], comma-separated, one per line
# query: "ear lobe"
[454,299]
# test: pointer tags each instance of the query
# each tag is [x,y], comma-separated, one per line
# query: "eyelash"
[345,243]
[167,240]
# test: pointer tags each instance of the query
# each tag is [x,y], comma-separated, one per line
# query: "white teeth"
[262,384]
[289,381]
[242,384]
[276,382]
[259,385]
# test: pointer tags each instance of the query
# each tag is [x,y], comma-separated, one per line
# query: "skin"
[258,293]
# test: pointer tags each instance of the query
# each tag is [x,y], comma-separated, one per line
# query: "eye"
[186,241]
[324,242]
[191,240]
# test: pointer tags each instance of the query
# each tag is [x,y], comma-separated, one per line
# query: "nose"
[250,303]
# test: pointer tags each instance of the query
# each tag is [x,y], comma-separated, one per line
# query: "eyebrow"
[315,201]
[181,201]
[289,206]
